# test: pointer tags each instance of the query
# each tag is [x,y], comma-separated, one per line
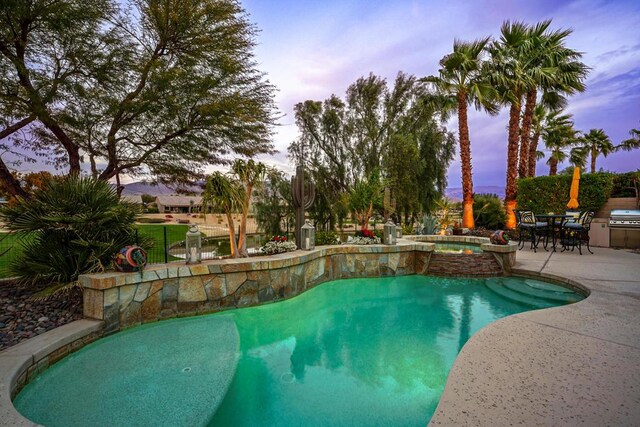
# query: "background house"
[179,204]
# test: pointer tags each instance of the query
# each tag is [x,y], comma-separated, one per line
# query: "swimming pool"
[347,352]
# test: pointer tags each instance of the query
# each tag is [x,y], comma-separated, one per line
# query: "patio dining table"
[555,222]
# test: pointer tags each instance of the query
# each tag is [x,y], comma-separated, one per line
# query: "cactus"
[388,203]
[301,200]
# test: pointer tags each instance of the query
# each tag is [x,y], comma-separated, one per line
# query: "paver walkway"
[577,364]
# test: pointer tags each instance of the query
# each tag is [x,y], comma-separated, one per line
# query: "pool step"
[547,291]
[500,289]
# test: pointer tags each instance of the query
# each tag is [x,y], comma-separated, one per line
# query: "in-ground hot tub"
[373,351]
[467,256]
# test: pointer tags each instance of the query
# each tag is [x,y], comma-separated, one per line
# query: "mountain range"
[158,189]
[455,193]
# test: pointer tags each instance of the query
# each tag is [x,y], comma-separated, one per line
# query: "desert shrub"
[551,193]
[151,220]
[327,238]
[69,227]
[153,210]
[430,225]
[489,211]
[407,229]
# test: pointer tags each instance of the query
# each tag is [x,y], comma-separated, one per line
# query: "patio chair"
[575,233]
[575,215]
[537,230]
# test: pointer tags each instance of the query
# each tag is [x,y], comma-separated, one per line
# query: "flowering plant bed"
[278,245]
[364,237]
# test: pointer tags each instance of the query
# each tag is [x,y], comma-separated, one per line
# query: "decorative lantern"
[389,237]
[399,232]
[193,245]
[308,233]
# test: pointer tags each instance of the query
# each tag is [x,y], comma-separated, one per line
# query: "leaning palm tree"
[553,69]
[634,141]
[537,123]
[223,194]
[461,80]
[251,174]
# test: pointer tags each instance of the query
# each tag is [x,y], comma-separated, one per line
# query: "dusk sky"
[311,49]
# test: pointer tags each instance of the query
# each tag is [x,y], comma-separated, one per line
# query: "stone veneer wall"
[464,265]
[124,300]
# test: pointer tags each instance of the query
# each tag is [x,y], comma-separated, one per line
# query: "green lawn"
[10,249]
[175,233]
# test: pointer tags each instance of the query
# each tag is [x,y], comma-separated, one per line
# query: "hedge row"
[551,193]
[623,184]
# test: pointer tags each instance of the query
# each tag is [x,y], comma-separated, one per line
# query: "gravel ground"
[22,317]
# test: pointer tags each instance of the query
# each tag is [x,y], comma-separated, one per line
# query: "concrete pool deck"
[577,364]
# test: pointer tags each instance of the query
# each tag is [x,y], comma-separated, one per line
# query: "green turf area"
[175,233]
[10,250]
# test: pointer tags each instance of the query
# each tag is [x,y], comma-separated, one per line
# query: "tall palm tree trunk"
[232,235]
[465,161]
[533,154]
[242,238]
[553,166]
[511,189]
[594,155]
[530,105]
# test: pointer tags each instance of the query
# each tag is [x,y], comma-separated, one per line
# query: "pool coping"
[22,362]
[30,357]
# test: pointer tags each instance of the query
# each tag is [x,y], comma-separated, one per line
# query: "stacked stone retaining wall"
[124,300]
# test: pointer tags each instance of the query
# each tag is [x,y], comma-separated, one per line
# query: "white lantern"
[308,233]
[193,245]
[399,232]
[389,236]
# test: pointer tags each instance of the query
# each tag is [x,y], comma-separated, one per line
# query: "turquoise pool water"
[365,352]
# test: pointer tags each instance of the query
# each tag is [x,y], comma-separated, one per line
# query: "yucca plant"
[70,227]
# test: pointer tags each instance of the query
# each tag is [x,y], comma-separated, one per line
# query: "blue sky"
[311,49]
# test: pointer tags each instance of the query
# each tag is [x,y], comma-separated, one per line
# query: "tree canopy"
[393,130]
[142,86]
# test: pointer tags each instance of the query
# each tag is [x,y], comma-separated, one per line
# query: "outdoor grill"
[624,228]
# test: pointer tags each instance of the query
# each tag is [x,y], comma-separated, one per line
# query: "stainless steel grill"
[624,228]
[624,218]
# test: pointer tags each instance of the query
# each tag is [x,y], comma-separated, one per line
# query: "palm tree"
[509,75]
[552,68]
[559,136]
[631,143]
[223,194]
[548,108]
[251,174]
[634,141]
[596,142]
[537,123]
[461,81]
